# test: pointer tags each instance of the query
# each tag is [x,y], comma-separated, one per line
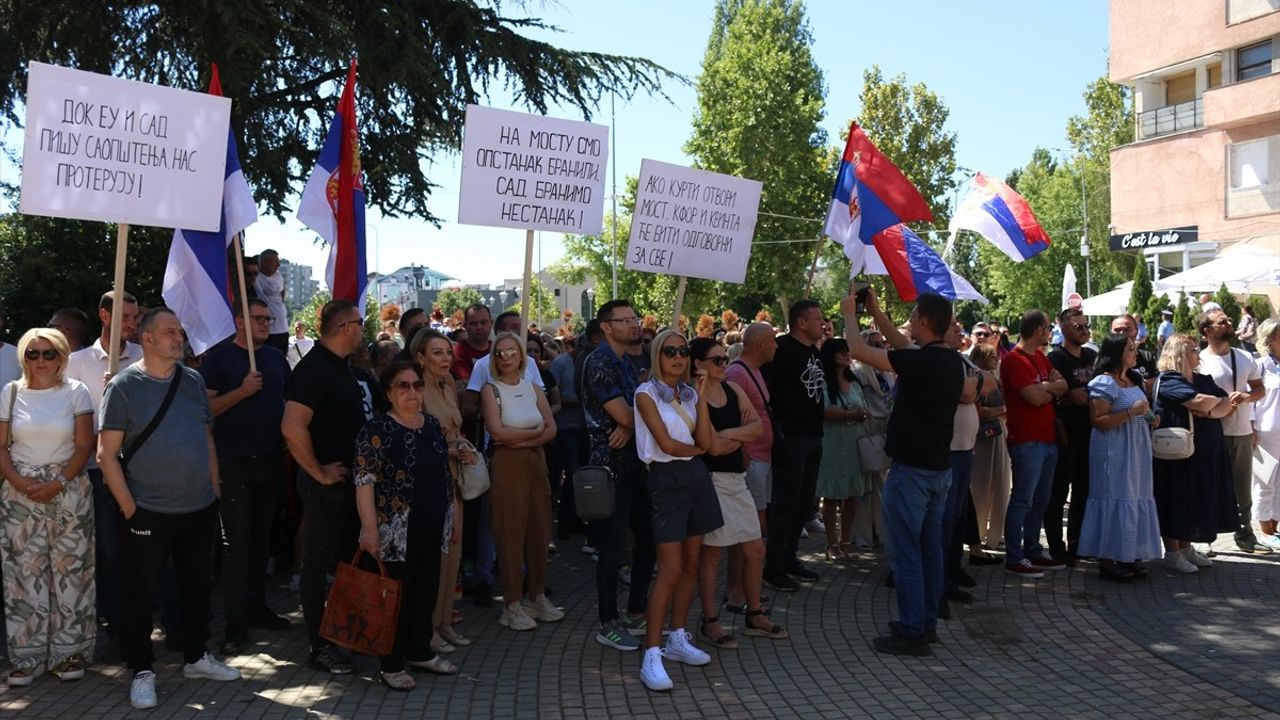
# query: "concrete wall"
[1147,35]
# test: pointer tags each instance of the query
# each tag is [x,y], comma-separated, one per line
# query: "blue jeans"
[913,506]
[953,513]
[1033,467]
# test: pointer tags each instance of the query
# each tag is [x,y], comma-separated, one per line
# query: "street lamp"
[591,302]
[1084,253]
[502,301]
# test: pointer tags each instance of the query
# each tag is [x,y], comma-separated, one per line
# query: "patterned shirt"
[409,471]
[605,377]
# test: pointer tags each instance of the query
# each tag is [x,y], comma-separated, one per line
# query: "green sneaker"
[614,636]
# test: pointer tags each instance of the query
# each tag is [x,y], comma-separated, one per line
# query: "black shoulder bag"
[132,450]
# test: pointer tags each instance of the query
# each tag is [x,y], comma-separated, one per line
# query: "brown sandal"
[774,632]
[725,642]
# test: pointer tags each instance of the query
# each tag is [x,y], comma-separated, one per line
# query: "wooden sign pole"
[675,315]
[238,242]
[528,285]
[117,298]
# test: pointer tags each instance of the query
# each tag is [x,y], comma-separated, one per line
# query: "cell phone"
[860,290]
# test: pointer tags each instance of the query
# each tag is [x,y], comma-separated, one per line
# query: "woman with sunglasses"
[734,422]
[518,418]
[46,504]
[404,495]
[673,430]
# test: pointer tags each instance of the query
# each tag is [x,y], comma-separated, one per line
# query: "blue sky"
[1010,72]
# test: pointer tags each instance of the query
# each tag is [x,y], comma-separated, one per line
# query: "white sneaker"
[680,649]
[543,609]
[1195,558]
[1175,560]
[142,693]
[1270,541]
[652,673]
[210,668]
[514,617]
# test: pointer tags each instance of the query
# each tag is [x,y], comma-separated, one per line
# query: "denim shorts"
[760,482]
[684,500]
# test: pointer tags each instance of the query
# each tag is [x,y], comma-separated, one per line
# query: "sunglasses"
[1079,327]
[982,334]
[672,351]
[507,354]
[408,385]
[34,355]
[720,360]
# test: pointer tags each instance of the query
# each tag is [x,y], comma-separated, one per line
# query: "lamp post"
[502,302]
[591,302]
[1084,253]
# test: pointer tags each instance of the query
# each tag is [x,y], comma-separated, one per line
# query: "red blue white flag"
[915,268]
[998,213]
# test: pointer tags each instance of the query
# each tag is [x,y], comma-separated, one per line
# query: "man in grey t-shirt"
[167,492]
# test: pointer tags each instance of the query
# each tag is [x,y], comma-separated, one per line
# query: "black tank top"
[723,418]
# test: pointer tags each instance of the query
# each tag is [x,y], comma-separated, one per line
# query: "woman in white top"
[518,418]
[46,502]
[673,428]
[1266,423]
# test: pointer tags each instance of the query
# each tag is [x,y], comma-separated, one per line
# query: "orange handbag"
[362,609]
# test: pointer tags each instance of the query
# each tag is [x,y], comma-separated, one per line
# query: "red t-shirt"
[464,358]
[1026,423]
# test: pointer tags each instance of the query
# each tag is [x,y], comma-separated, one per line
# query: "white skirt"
[741,522]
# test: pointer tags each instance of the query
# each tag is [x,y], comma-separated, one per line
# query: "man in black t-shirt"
[324,410]
[1075,363]
[795,390]
[931,383]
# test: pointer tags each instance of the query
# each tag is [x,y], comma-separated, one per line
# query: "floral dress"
[840,474]
[409,471]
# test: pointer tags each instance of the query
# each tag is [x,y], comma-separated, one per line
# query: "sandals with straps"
[725,642]
[773,632]
[400,681]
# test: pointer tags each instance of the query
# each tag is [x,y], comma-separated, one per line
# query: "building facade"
[403,285]
[299,285]
[1203,173]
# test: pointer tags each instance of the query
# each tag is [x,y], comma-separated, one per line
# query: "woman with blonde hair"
[46,503]
[1194,497]
[1266,420]
[518,418]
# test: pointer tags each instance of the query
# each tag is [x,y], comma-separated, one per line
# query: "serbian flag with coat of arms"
[196,284]
[333,202]
[870,195]
[998,213]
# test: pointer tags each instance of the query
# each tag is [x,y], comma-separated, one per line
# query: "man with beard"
[1074,362]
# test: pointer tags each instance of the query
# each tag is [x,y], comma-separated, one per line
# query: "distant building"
[579,298]
[402,286]
[299,286]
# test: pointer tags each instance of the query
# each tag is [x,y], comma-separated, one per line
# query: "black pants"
[571,448]
[795,484]
[634,510]
[150,538]
[251,490]
[1070,473]
[279,341]
[327,535]
[419,575]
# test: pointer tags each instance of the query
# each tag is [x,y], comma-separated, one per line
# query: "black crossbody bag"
[132,450]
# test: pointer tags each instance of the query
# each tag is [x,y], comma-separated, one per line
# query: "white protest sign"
[692,222]
[104,148]
[532,172]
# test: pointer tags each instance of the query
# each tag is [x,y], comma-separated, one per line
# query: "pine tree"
[1140,294]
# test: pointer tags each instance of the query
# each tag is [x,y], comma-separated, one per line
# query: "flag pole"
[117,298]
[675,314]
[813,267]
[528,284]
[238,241]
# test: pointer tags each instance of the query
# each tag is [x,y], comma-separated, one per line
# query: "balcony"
[1171,119]
[1243,103]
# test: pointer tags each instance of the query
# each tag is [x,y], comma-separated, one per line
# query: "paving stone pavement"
[1170,646]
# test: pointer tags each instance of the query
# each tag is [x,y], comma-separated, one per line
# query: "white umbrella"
[1244,269]
[1116,302]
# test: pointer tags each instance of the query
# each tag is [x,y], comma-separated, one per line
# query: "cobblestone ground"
[1171,646]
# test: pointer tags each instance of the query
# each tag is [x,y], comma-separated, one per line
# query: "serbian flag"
[915,268]
[195,278]
[871,194]
[997,213]
[333,202]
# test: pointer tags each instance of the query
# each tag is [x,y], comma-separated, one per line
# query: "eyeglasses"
[408,385]
[34,355]
[981,333]
[261,319]
[672,351]
[720,360]
[507,354]
[633,320]
[357,321]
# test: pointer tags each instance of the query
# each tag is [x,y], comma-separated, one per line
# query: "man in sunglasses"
[324,411]
[247,409]
[1074,362]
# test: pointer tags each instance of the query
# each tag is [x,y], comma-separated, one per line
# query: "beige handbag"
[1173,443]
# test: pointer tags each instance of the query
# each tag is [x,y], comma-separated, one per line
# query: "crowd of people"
[452,462]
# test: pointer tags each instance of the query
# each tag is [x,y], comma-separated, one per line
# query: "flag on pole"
[1069,287]
[870,194]
[196,286]
[998,213]
[915,268]
[333,201]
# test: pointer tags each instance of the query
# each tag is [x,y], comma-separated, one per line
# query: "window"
[1215,75]
[1253,61]
[1250,164]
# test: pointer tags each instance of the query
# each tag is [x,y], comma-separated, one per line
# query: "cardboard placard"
[103,148]
[532,172]
[693,222]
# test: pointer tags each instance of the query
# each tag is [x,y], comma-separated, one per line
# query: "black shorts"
[684,500]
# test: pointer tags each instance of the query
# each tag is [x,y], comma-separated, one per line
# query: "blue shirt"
[606,377]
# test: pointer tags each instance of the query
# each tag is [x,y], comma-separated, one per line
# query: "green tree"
[542,305]
[310,316]
[1184,316]
[1154,311]
[1140,294]
[1228,302]
[450,300]
[421,64]
[760,99]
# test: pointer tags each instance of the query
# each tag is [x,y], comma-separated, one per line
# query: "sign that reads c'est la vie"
[693,222]
[104,148]
[532,172]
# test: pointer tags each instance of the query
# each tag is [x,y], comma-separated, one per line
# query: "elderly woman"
[433,352]
[404,495]
[518,418]
[1121,526]
[1194,496]
[1266,422]
[46,503]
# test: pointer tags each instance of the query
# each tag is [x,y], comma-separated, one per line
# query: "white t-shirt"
[646,446]
[964,436]
[1218,367]
[88,365]
[518,405]
[10,365]
[271,291]
[480,374]
[44,421]
[298,349]
[1266,412]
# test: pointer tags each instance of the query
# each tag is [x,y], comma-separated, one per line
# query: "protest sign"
[692,222]
[532,172]
[104,148]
